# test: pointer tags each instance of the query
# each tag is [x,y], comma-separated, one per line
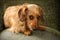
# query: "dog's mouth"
[31,29]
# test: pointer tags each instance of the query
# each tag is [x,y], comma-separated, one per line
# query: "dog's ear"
[41,14]
[22,13]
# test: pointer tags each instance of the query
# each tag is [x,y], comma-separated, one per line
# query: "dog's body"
[23,18]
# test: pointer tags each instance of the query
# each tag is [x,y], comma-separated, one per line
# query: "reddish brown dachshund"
[23,18]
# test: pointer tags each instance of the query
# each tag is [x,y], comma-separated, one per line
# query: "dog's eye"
[38,17]
[31,17]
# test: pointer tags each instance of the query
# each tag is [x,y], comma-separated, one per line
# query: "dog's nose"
[34,29]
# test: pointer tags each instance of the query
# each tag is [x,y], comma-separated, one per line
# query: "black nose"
[34,29]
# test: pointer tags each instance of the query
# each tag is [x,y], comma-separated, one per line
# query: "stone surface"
[37,35]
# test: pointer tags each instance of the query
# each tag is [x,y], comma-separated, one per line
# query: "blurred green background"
[50,10]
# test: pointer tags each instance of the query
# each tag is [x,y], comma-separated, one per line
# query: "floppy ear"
[41,14]
[22,13]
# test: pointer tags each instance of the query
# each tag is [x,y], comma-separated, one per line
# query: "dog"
[23,18]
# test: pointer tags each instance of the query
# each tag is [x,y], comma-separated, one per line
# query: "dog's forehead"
[33,8]
[30,5]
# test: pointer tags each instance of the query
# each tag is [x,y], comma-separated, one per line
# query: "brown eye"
[31,17]
[38,17]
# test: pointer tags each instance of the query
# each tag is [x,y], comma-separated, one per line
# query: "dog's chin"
[32,28]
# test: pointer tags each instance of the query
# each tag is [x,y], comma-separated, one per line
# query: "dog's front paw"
[27,32]
[41,28]
[14,30]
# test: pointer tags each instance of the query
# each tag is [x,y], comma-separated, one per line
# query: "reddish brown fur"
[16,18]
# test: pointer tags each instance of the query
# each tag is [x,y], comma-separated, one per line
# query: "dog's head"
[34,15]
[31,14]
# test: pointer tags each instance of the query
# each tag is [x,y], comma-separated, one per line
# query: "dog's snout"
[34,28]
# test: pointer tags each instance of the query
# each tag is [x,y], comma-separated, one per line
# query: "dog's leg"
[42,28]
[14,25]
[27,32]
